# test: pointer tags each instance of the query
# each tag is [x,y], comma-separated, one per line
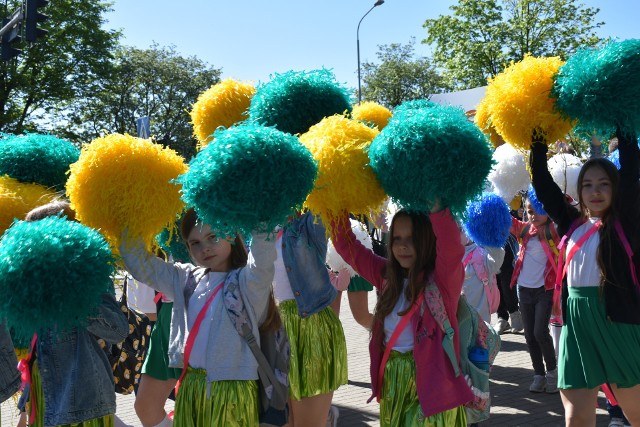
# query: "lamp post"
[377,3]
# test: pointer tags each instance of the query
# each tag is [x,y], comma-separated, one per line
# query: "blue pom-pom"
[39,159]
[535,203]
[296,100]
[250,178]
[615,158]
[432,153]
[488,221]
[53,273]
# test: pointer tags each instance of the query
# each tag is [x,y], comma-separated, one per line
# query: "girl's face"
[402,242]
[596,191]
[207,250]
[535,218]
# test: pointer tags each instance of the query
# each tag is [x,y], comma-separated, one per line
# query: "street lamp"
[377,3]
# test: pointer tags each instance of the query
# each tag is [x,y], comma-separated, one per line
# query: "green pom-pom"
[410,107]
[171,242]
[296,100]
[432,153]
[251,178]
[53,273]
[38,159]
[601,88]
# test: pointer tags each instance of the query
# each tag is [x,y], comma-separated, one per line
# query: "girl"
[418,386]
[600,339]
[318,347]
[220,384]
[534,273]
[71,378]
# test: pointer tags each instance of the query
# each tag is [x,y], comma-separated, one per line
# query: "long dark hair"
[424,242]
[607,231]
[237,259]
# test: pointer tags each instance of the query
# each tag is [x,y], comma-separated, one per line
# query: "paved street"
[513,405]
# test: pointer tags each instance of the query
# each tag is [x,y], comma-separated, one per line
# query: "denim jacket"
[304,252]
[9,375]
[77,380]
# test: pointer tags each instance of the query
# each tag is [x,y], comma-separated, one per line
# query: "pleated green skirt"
[594,350]
[36,390]
[229,403]
[318,351]
[399,405]
[156,363]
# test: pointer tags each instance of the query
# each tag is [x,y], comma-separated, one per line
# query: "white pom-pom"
[335,261]
[509,175]
[565,169]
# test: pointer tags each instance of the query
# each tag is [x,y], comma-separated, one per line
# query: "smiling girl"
[600,339]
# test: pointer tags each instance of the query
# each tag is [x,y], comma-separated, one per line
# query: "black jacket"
[621,298]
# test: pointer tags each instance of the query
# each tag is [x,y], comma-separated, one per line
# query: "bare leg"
[359,304]
[335,305]
[22,421]
[579,406]
[628,399]
[150,400]
[310,411]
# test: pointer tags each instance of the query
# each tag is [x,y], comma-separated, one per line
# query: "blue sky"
[250,40]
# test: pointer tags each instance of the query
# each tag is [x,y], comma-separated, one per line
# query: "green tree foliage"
[155,82]
[481,37]
[57,69]
[399,77]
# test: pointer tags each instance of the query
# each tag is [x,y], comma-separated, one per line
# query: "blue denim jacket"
[77,380]
[9,375]
[304,252]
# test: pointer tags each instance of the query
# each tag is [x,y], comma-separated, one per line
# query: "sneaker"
[616,422]
[332,418]
[552,381]
[538,385]
[501,326]
[516,322]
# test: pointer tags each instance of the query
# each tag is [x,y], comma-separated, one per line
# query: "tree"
[59,67]
[155,82]
[481,37]
[399,77]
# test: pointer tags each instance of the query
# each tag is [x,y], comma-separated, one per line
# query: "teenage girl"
[600,339]
[419,386]
[318,348]
[220,385]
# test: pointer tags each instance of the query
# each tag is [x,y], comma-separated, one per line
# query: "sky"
[252,39]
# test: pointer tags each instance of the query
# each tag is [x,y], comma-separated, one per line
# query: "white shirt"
[583,268]
[405,340]
[281,285]
[533,265]
[200,296]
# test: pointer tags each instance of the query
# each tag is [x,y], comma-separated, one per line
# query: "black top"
[622,301]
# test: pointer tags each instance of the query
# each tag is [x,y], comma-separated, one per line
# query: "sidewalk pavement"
[512,403]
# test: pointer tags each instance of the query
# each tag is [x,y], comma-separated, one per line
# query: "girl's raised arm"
[629,188]
[449,272]
[256,278]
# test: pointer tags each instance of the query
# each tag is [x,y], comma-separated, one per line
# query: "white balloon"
[509,176]
[335,261]
[565,169]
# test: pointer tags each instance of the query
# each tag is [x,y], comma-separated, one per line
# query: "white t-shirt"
[197,301]
[583,268]
[533,265]
[140,296]
[405,340]
[281,285]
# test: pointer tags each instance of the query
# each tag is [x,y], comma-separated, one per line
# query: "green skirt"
[359,284]
[156,364]
[228,403]
[594,350]
[36,390]
[318,351]
[399,406]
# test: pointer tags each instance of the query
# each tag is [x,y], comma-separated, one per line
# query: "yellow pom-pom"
[122,182]
[482,119]
[17,199]
[519,102]
[345,179]
[223,104]
[371,112]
